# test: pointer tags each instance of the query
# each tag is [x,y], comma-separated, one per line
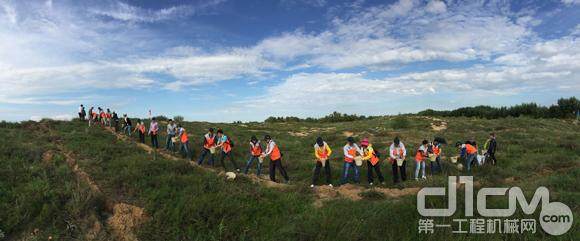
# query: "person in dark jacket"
[491,148]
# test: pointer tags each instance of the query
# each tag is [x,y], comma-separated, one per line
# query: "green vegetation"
[185,202]
[566,108]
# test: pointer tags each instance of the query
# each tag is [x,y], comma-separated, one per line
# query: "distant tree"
[178,118]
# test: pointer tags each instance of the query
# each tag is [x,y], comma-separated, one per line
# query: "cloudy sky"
[226,60]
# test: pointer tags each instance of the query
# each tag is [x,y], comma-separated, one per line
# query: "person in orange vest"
[322,153]
[209,141]
[435,149]
[373,161]
[470,153]
[397,151]
[420,158]
[142,130]
[226,144]
[255,153]
[184,140]
[275,155]
[351,150]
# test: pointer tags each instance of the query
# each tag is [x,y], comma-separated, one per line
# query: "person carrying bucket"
[420,158]
[322,153]
[351,151]
[397,155]
[209,147]
[371,156]
[226,144]
[255,156]
[273,151]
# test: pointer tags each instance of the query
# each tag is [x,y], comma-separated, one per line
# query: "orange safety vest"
[103,115]
[436,150]
[255,149]
[209,141]
[184,137]
[352,152]
[226,147]
[419,157]
[322,151]
[275,154]
[470,149]
[142,129]
[374,159]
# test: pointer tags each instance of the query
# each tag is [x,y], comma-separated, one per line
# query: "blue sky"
[226,60]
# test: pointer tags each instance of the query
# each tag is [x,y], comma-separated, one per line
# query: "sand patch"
[125,220]
[348,133]
[439,126]
[298,134]
[353,192]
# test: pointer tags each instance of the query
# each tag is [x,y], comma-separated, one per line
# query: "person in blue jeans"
[255,152]
[209,141]
[351,150]
[171,129]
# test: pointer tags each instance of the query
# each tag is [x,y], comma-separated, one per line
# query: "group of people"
[216,143]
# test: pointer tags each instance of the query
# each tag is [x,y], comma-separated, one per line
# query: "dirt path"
[125,218]
[322,193]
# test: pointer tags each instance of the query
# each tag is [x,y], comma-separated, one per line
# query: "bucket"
[174,139]
[432,157]
[212,150]
[453,159]
[261,159]
[358,161]
[400,161]
[323,161]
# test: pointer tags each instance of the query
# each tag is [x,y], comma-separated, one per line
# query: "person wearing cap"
[255,153]
[225,143]
[397,151]
[184,140]
[275,155]
[171,129]
[420,158]
[350,150]
[373,161]
[322,153]
[153,131]
[209,141]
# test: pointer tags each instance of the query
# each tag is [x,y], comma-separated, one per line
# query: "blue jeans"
[419,165]
[346,168]
[184,149]
[204,152]
[249,164]
[128,129]
[469,161]
[168,143]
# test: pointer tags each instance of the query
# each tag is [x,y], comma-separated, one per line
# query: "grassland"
[186,202]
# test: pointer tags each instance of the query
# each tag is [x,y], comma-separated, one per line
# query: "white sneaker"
[330,185]
[371,184]
[416,179]
[424,177]
[312,185]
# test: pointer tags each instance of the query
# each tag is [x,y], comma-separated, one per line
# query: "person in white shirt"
[351,150]
[397,151]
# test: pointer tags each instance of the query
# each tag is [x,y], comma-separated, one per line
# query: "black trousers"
[401,169]
[491,157]
[434,168]
[317,172]
[377,169]
[273,165]
[229,156]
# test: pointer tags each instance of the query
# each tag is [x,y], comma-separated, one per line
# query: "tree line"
[565,108]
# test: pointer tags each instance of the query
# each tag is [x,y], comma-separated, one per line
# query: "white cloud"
[436,6]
